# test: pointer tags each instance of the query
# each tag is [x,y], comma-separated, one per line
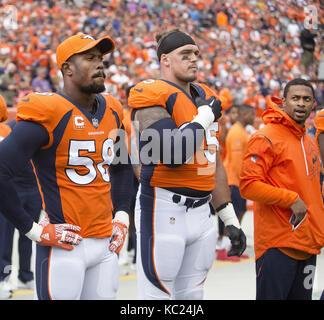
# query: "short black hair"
[298,82]
[244,107]
[128,89]
[228,110]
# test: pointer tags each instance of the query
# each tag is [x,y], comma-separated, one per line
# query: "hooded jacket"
[281,164]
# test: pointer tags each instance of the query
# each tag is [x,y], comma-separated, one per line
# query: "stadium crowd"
[249,49]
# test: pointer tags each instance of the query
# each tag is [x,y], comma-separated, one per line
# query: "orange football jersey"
[199,172]
[72,168]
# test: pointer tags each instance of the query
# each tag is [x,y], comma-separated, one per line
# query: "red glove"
[55,235]
[119,231]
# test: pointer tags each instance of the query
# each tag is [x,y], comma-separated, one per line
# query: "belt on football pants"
[190,203]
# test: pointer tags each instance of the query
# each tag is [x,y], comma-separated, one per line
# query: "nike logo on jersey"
[26,100]
[139,90]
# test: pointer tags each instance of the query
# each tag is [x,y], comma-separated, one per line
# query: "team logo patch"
[79,122]
[172,220]
[95,122]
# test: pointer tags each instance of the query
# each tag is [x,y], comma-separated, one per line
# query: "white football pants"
[175,246]
[89,272]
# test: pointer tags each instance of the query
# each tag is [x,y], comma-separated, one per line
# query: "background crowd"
[249,49]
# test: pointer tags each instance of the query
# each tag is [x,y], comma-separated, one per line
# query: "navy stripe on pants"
[279,277]
[147,237]
[42,259]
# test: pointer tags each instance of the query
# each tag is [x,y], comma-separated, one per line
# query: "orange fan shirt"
[236,143]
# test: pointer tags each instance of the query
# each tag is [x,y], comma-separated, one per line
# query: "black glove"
[238,241]
[213,103]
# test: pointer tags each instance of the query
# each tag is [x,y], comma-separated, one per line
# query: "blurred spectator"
[9,84]
[40,83]
[308,45]
[25,86]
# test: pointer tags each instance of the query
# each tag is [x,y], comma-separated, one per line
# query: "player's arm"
[257,162]
[15,151]
[176,145]
[122,175]
[221,202]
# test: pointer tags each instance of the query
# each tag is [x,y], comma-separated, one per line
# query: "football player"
[181,171]
[70,136]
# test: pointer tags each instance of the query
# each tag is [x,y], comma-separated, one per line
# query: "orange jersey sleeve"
[4,131]
[40,108]
[3,109]
[149,93]
[253,180]
[319,124]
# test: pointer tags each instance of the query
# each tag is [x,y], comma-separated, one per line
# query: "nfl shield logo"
[95,122]
[172,220]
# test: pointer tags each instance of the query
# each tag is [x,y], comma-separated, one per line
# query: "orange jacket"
[280,164]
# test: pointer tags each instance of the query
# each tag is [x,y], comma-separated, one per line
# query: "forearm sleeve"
[164,141]
[122,176]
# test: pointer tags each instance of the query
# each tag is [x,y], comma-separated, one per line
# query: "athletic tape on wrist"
[123,217]
[205,116]
[228,216]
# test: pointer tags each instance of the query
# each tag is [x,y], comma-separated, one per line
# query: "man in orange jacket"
[281,174]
